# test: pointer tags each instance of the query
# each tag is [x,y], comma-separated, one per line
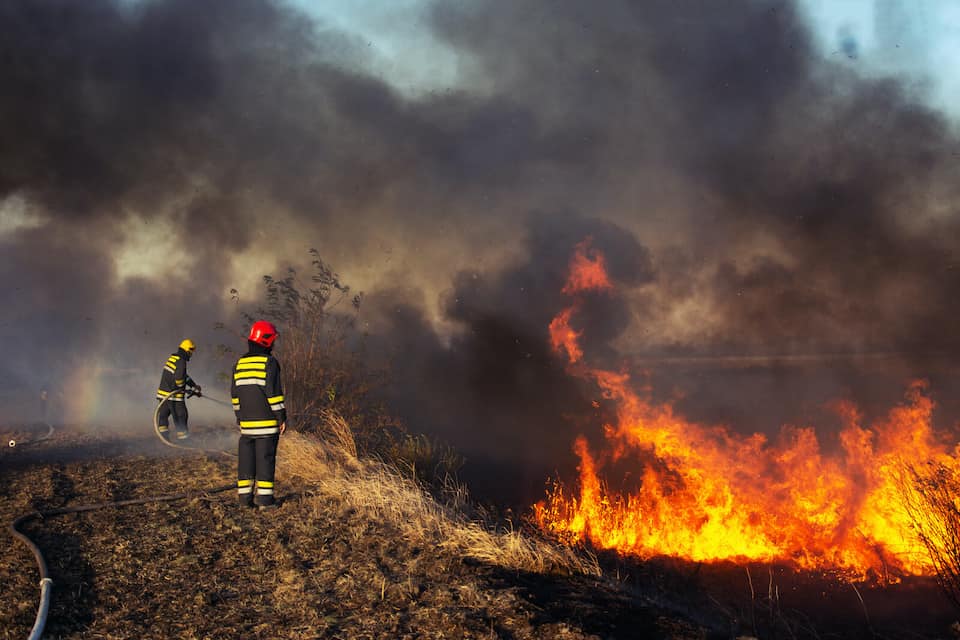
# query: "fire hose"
[189,394]
[23,443]
[46,583]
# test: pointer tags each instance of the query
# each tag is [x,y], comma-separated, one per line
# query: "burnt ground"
[203,567]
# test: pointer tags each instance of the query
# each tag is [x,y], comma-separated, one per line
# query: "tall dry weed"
[931,497]
[322,355]
[379,489]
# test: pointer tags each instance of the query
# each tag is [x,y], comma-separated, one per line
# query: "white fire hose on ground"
[169,443]
[46,583]
[13,442]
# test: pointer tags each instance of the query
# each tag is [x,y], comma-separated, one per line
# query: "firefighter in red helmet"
[257,396]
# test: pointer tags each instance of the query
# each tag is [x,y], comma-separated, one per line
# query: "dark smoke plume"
[781,231]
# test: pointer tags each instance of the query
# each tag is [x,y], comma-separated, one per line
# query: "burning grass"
[708,493]
[931,496]
[358,549]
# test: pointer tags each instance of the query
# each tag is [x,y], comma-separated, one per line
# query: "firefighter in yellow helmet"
[174,382]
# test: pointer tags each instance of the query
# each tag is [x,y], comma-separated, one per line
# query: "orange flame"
[565,336]
[588,270]
[709,494]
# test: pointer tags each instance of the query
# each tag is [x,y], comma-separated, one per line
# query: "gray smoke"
[780,230]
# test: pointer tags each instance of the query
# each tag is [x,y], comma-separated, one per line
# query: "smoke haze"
[764,212]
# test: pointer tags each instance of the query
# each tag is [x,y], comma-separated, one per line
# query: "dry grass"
[344,557]
[930,497]
[334,469]
[356,550]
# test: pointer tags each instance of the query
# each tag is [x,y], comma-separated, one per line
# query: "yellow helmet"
[188,346]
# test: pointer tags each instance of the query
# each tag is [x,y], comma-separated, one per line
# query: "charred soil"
[337,561]
[317,567]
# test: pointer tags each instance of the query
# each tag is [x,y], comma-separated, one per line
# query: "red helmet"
[263,333]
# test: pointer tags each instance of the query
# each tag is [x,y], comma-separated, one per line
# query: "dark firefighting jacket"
[174,377]
[257,393]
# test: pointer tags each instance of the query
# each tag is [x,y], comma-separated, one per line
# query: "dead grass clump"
[427,459]
[385,493]
[931,498]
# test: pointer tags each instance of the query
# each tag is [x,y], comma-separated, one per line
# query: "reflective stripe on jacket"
[174,378]
[256,393]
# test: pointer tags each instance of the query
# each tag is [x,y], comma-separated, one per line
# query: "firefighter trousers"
[256,463]
[179,412]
